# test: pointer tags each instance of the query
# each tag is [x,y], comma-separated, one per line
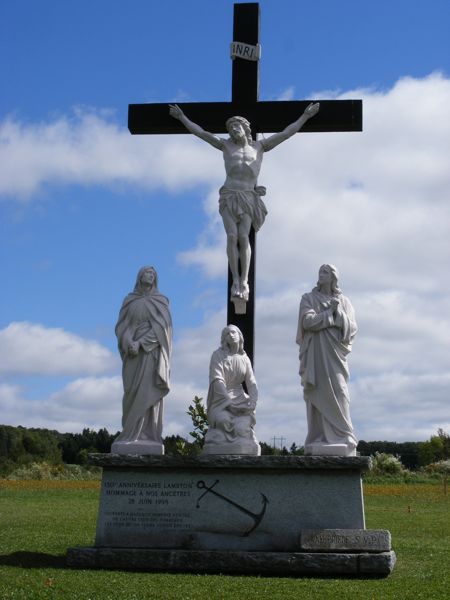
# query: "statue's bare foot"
[235,289]
[245,290]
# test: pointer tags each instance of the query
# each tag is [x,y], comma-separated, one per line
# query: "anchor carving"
[257,517]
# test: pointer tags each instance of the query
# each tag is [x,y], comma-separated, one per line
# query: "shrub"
[442,466]
[45,470]
[386,464]
[197,412]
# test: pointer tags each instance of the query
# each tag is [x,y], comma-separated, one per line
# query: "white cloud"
[287,94]
[389,406]
[93,402]
[9,399]
[90,148]
[211,242]
[29,348]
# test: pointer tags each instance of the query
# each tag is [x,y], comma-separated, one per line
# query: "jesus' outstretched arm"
[177,113]
[290,130]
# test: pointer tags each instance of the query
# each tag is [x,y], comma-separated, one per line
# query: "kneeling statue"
[230,410]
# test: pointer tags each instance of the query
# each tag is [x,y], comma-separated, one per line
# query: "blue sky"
[83,204]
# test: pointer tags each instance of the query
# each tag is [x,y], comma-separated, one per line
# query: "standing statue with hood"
[326,329]
[144,334]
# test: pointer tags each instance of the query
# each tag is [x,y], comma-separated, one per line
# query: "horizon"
[191,441]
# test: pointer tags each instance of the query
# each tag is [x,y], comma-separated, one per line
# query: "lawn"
[40,520]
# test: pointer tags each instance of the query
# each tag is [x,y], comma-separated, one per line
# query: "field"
[39,520]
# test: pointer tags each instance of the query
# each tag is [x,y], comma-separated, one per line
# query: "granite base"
[208,510]
[231,502]
[294,564]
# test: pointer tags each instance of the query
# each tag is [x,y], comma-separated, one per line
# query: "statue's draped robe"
[144,318]
[325,341]
[230,370]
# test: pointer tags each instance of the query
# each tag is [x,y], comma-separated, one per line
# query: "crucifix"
[263,117]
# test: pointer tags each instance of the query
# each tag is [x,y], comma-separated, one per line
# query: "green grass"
[38,524]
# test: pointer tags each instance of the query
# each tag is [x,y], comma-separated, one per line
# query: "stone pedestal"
[249,448]
[329,450]
[200,514]
[141,447]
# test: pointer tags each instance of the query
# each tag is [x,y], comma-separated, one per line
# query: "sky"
[84,204]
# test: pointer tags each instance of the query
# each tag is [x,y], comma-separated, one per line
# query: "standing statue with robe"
[326,329]
[144,334]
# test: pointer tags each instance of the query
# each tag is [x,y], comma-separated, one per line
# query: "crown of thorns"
[242,120]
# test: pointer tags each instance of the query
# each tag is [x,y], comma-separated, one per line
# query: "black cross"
[265,117]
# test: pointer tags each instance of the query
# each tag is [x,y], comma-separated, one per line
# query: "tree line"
[21,446]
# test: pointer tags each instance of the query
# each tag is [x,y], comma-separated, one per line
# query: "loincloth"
[239,203]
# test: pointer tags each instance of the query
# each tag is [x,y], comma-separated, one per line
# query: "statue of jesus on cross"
[240,202]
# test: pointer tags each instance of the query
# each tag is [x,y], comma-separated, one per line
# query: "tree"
[69,448]
[407,451]
[443,435]
[294,450]
[266,449]
[431,451]
[103,441]
[175,445]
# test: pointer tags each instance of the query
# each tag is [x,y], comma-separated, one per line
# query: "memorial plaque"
[328,540]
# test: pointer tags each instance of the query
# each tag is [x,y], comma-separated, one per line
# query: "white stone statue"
[240,202]
[144,333]
[326,329]
[230,411]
